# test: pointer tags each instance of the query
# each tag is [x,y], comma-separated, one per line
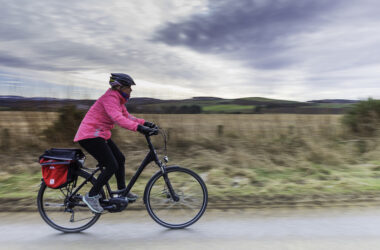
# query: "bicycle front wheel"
[65,215]
[186,207]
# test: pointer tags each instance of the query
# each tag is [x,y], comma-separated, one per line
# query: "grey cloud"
[44,19]
[28,63]
[53,28]
[73,36]
[250,30]
[12,61]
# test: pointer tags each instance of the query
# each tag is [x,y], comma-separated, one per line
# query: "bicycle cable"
[164,136]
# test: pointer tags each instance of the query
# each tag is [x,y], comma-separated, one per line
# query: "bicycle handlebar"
[164,136]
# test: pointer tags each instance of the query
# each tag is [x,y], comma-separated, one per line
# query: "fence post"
[168,133]
[220,130]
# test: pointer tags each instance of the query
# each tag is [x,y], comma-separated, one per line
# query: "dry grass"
[238,155]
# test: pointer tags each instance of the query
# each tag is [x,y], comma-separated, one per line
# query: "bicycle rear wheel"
[69,216]
[192,197]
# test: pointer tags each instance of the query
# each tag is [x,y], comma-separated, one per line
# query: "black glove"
[150,124]
[146,130]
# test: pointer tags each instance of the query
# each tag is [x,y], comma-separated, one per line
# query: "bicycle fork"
[174,196]
[152,156]
[162,166]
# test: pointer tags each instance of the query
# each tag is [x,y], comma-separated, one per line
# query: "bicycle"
[174,197]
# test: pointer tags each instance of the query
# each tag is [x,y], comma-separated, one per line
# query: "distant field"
[28,123]
[240,105]
[261,99]
[227,108]
[331,105]
[25,123]
[267,157]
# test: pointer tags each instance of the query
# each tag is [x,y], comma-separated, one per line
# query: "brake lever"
[154,132]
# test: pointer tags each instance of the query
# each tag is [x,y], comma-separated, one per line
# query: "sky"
[285,49]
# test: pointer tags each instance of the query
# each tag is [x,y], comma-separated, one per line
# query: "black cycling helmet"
[121,79]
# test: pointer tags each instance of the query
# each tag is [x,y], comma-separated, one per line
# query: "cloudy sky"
[287,49]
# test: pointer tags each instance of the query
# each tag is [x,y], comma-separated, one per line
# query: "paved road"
[323,228]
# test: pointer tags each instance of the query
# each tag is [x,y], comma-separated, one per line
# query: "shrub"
[363,118]
[64,129]
[5,144]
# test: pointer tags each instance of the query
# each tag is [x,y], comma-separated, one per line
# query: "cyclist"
[94,135]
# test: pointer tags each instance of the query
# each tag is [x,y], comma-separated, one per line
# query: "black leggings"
[108,155]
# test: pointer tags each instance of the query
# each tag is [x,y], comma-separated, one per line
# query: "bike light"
[166,159]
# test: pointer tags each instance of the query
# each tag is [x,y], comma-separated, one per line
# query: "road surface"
[318,228]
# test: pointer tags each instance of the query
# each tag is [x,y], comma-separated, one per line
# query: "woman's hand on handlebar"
[147,130]
[150,125]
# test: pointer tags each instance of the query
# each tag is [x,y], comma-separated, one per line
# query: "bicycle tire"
[189,187]
[46,195]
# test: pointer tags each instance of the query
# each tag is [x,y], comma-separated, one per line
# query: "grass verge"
[245,160]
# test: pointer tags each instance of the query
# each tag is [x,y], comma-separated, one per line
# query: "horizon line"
[194,97]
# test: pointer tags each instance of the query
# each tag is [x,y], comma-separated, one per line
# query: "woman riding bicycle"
[94,135]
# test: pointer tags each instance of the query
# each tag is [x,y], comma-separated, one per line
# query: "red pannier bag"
[58,166]
[55,172]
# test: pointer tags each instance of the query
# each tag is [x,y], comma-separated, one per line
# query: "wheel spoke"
[54,205]
[170,206]
[191,199]
[188,205]
[82,219]
[159,193]
[162,202]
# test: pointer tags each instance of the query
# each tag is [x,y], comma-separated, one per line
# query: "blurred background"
[273,103]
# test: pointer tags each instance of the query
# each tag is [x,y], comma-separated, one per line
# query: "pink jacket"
[102,116]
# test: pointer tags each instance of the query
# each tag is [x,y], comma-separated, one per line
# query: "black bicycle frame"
[151,156]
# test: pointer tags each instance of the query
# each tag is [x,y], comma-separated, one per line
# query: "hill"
[249,105]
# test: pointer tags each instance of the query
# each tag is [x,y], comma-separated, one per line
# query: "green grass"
[22,185]
[330,105]
[227,108]
[261,99]
[242,182]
